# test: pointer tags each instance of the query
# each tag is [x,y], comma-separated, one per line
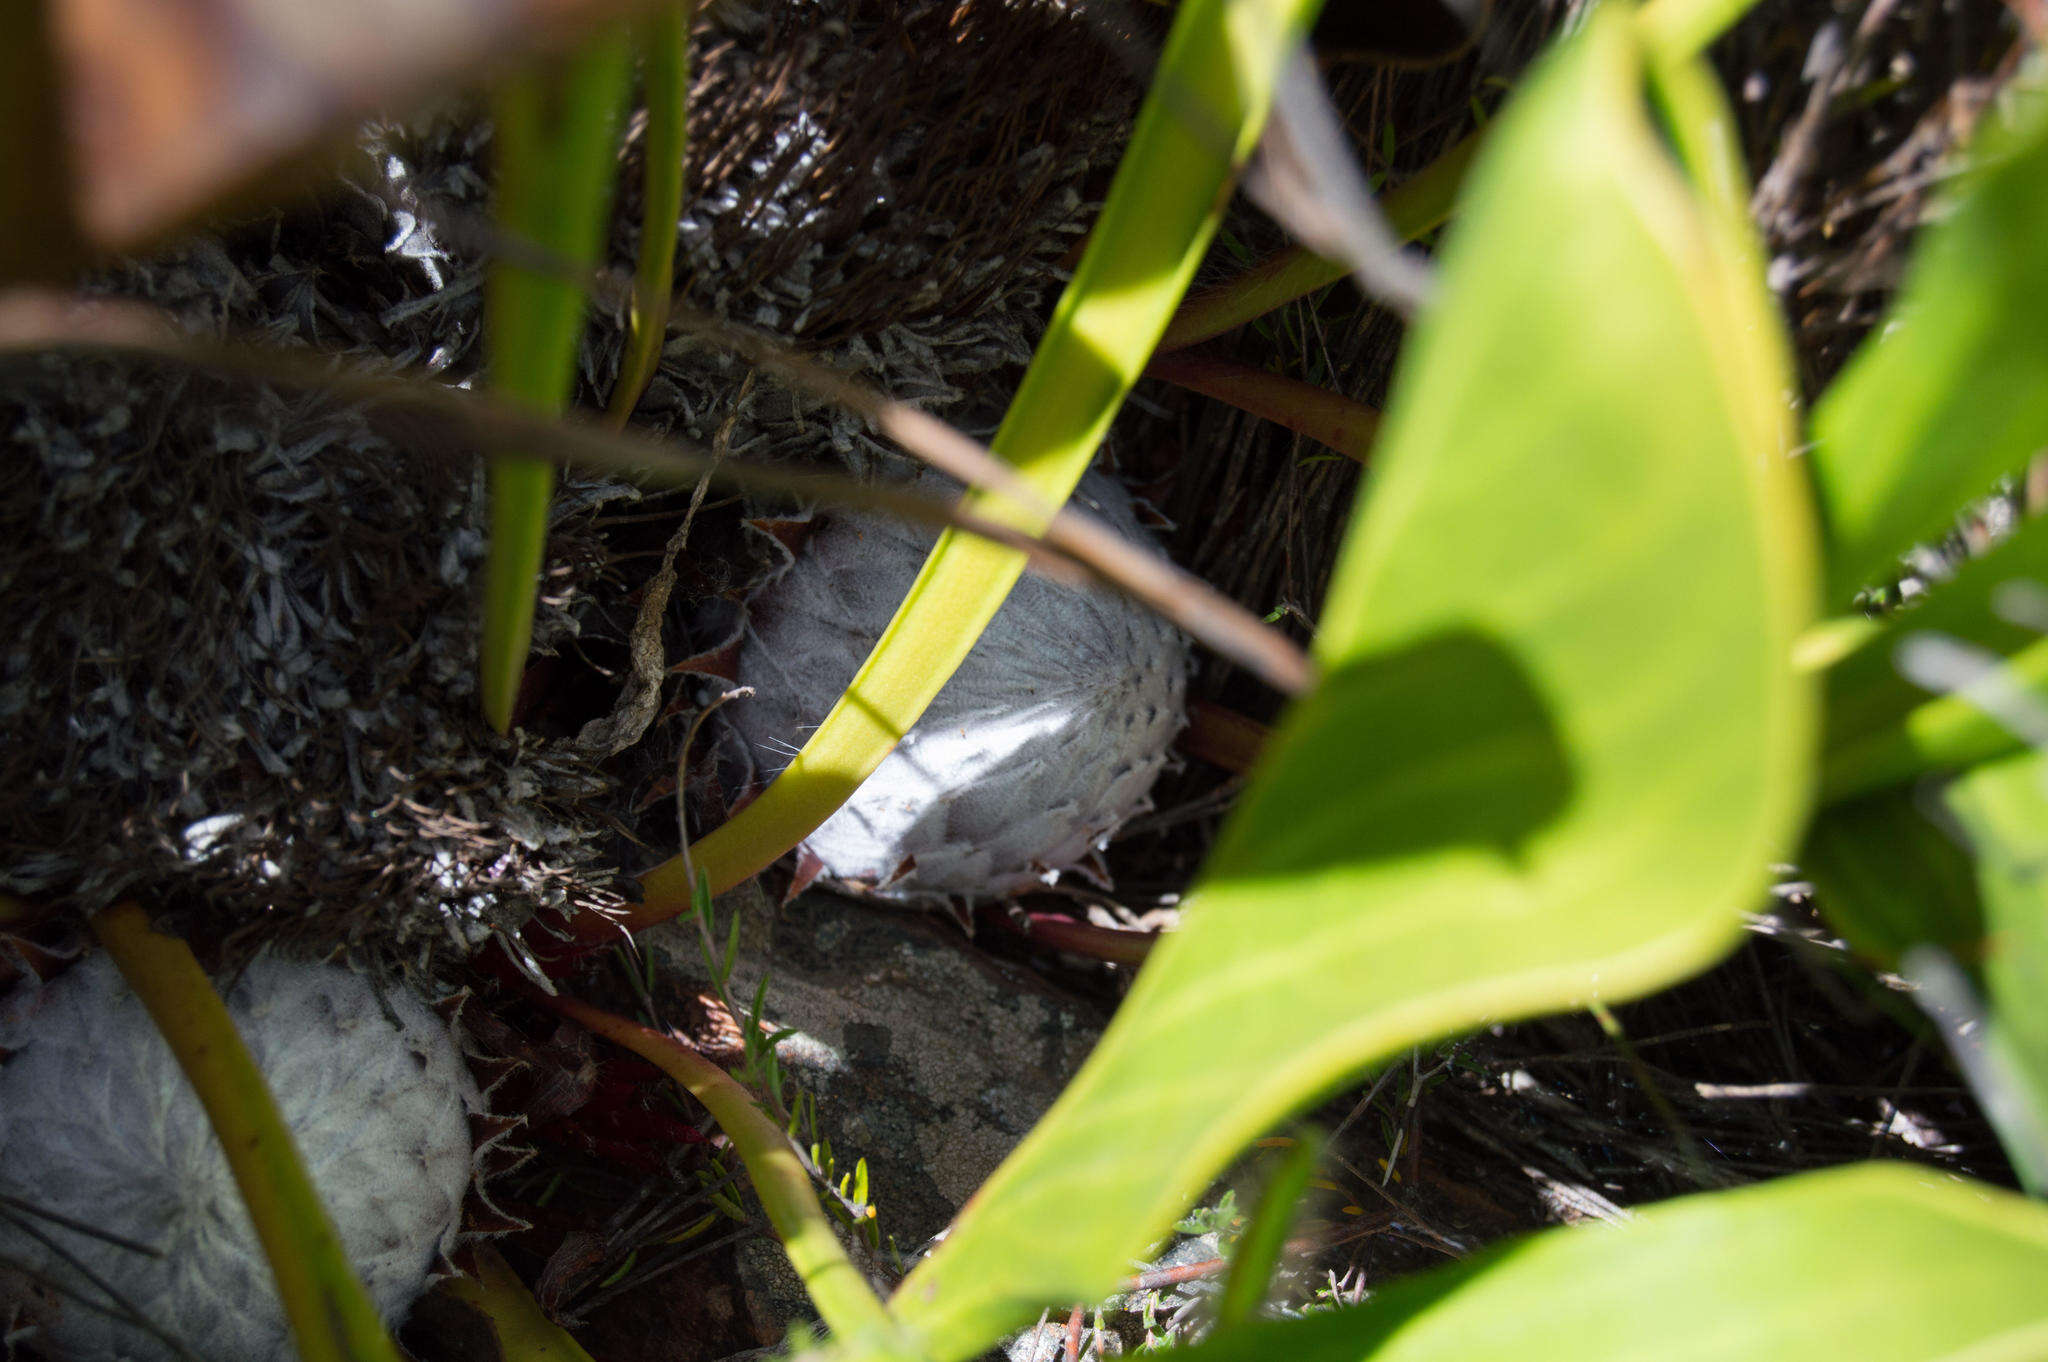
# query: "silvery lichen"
[239,665]
[98,1124]
[1047,738]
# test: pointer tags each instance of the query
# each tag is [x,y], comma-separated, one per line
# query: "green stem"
[332,1319]
[1265,1239]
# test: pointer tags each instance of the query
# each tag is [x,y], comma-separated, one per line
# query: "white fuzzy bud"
[1043,743]
[97,1123]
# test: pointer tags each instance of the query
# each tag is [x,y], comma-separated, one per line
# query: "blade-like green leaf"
[1560,738]
[844,1299]
[664,41]
[1879,1263]
[2001,810]
[1200,120]
[1952,390]
[1264,1241]
[1884,728]
[556,138]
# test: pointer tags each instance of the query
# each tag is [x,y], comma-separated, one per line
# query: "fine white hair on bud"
[98,1124]
[1048,737]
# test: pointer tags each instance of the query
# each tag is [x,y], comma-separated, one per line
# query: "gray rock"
[926,1058]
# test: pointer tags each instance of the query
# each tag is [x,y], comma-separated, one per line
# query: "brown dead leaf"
[173,106]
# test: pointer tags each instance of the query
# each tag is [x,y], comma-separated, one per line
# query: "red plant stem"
[1343,423]
[1223,737]
[1062,933]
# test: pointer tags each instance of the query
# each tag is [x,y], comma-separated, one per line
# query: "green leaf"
[523,1331]
[556,143]
[1414,208]
[1880,1263]
[1883,728]
[1201,119]
[1889,880]
[2001,810]
[664,40]
[1560,738]
[1951,393]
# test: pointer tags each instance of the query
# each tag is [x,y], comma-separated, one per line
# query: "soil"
[1789,1056]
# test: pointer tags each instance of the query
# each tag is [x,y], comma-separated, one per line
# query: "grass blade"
[1416,207]
[556,138]
[844,1300]
[665,40]
[1265,1239]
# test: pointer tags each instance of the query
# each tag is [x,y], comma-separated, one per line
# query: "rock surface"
[926,1058]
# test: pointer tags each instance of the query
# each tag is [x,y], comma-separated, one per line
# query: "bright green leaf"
[1560,739]
[1951,393]
[1884,728]
[1879,1263]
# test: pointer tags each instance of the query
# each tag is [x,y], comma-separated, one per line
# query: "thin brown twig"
[1075,548]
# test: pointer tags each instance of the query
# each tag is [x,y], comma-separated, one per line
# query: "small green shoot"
[781,1179]
[1264,1240]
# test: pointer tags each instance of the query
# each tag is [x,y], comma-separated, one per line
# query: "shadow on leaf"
[1445,743]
